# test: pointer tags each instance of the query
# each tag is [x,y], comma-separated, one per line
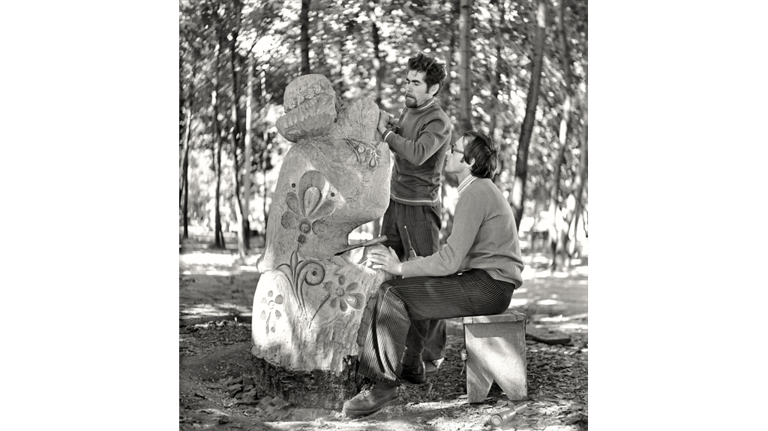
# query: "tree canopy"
[363,48]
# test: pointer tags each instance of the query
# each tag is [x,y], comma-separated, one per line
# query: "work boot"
[415,374]
[370,401]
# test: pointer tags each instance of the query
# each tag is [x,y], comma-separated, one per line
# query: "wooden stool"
[496,352]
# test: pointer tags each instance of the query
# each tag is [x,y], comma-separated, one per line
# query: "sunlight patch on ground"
[548,302]
[220,310]
[582,270]
[574,327]
[518,302]
[432,406]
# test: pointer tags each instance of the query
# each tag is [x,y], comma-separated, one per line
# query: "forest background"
[517,70]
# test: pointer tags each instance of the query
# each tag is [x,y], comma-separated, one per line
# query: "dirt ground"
[220,390]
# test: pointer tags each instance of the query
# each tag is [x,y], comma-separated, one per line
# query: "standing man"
[419,140]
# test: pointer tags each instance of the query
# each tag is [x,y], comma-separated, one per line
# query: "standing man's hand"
[384,120]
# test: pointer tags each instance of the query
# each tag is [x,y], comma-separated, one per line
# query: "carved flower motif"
[308,205]
[270,309]
[345,298]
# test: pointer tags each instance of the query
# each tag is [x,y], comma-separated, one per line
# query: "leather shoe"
[369,401]
[415,375]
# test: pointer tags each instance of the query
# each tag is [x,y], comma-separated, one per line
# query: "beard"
[410,102]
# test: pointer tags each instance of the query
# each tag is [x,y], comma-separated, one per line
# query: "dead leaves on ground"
[557,389]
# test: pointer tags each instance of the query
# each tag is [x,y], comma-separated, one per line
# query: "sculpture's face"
[416,90]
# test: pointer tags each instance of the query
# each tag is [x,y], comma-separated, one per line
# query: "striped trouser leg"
[381,336]
[389,313]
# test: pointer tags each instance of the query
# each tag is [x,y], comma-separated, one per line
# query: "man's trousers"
[423,223]
[389,314]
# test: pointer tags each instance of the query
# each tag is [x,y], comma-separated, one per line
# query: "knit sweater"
[484,237]
[419,143]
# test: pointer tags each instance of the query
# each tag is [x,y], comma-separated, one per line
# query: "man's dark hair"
[480,147]
[434,71]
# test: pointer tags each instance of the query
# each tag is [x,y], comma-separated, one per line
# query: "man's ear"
[433,89]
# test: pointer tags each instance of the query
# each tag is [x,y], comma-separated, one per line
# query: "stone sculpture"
[308,302]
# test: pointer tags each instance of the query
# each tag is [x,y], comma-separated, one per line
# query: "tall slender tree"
[465,72]
[304,39]
[247,162]
[581,178]
[242,237]
[532,101]
[218,234]
[558,237]
[185,168]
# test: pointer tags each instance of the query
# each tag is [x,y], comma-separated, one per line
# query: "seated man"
[474,274]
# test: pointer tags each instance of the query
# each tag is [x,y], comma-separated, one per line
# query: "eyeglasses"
[455,150]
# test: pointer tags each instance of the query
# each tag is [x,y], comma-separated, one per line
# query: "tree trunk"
[241,248]
[264,155]
[304,38]
[496,80]
[555,229]
[380,73]
[246,226]
[184,148]
[521,164]
[465,73]
[581,178]
[217,144]
[558,242]
[185,170]
[241,234]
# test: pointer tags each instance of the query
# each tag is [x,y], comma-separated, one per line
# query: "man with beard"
[419,140]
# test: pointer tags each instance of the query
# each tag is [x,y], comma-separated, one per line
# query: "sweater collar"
[467,181]
[429,103]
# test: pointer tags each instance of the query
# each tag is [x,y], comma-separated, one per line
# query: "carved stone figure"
[308,302]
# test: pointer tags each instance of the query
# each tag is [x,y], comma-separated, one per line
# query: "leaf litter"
[557,390]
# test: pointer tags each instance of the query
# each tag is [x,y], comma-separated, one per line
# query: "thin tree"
[496,74]
[581,178]
[217,144]
[532,100]
[265,150]
[185,167]
[248,156]
[304,39]
[558,236]
[380,66]
[242,238]
[465,71]
[184,138]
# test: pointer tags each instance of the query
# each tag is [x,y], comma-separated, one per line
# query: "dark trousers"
[389,314]
[423,224]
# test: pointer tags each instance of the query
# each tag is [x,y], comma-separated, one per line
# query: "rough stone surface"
[308,302]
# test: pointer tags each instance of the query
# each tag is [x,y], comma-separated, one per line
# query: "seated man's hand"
[386,260]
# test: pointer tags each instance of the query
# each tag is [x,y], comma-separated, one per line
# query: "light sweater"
[484,237]
[419,142]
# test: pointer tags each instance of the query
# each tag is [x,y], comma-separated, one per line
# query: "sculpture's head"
[310,108]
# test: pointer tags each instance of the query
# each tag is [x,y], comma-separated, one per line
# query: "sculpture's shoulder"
[358,120]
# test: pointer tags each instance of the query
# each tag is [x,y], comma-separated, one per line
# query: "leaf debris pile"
[218,391]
